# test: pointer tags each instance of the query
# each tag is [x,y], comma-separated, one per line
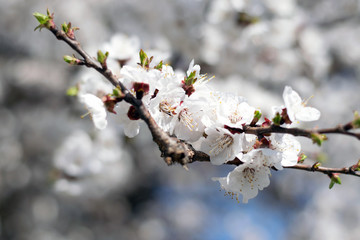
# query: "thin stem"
[326,170]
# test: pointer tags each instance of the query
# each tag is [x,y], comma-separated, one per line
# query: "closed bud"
[277,119]
[356,121]
[335,179]
[101,57]
[302,158]
[316,165]
[257,116]
[71,60]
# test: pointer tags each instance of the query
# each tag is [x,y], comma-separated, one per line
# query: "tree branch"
[174,150]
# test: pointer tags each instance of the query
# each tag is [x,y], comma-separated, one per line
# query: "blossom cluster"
[185,106]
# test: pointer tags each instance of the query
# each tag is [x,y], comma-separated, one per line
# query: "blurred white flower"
[123,48]
[75,157]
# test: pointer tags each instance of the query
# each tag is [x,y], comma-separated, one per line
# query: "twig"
[325,170]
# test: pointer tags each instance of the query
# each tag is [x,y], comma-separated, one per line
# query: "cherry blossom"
[297,109]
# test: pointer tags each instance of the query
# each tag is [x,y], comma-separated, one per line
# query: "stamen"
[305,102]
[221,143]
[166,108]
[186,118]
[83,116]
[235,117]
[249,174]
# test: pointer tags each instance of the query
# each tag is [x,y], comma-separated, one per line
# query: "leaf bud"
[318,138]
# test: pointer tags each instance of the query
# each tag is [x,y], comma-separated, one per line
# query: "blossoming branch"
[191,122]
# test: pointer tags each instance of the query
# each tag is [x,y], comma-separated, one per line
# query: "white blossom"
[221,145]
[251,176]
[289,148]
[234,111]
[297,109]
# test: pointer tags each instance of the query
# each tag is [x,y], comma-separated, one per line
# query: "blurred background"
[62,179]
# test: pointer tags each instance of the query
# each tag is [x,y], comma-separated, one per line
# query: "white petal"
[289,159]
[96,108]
[308,114]
[291,98]
[132,129]
[99,120]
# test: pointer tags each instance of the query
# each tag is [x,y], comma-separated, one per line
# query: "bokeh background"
[121,188]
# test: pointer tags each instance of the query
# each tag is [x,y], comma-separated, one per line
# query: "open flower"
[251,176]
[288,147]
[221,145]
[234,111]
[297,109]
[96,109]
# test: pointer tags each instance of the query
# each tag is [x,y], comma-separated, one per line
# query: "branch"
[340,129]
[325,170]
[174,150]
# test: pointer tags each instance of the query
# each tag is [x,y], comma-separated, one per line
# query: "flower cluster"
[184,105]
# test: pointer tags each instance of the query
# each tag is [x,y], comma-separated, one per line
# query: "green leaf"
[318,138]
[159,66]
[65,27]
[101,57]
[190,80]
[117,92]
[335,179]
[143,57]
[42,19]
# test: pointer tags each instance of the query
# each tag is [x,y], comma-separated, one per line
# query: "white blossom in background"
[123,48]
[75,157]
[92,167]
